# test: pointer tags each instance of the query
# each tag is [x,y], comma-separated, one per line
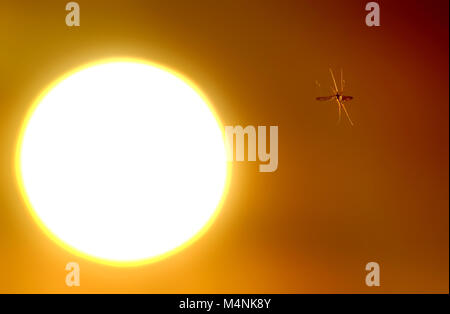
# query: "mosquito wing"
[324,98]
[347,98]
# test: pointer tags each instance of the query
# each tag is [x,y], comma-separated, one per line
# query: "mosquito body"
[338,96]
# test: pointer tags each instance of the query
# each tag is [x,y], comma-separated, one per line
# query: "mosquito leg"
[339,112]
[343,107]
[342,81]
[334,81]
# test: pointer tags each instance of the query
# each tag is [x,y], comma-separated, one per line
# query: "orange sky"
[340,198]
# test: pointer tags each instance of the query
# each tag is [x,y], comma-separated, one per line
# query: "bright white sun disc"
[122,162]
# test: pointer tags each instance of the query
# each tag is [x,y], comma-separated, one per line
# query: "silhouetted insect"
[338,95]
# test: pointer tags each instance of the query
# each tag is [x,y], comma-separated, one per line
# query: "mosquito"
[338,96]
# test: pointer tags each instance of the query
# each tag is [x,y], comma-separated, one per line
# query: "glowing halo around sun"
[122,162]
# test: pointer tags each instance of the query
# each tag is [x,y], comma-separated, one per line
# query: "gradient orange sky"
[341,197]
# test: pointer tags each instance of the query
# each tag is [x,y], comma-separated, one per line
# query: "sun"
[122,162]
